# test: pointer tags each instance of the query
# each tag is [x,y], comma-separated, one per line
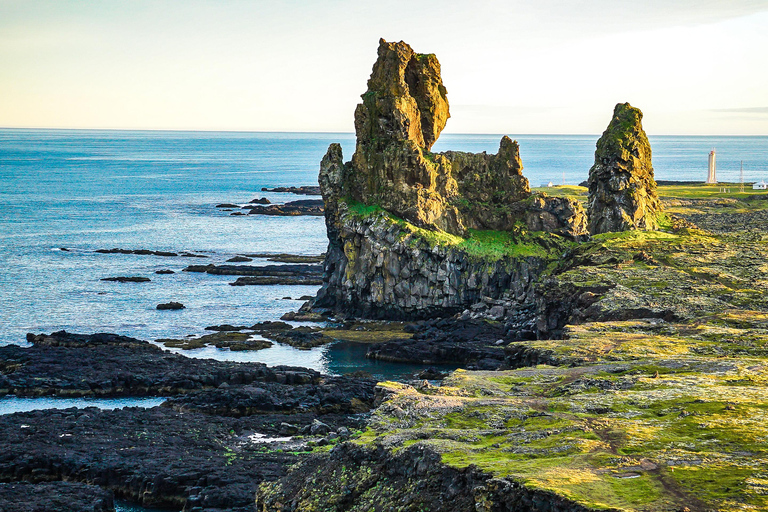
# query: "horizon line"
[193,130]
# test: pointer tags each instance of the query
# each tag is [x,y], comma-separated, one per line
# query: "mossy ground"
[480,244]
[646,414]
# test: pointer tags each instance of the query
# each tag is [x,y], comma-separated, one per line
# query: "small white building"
[550,184]
[760,185]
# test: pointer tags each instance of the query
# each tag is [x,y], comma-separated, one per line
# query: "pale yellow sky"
[514,66]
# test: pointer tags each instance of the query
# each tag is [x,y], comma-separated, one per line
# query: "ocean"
[84,190]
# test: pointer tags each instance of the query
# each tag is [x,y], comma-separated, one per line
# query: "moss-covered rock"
[622,189]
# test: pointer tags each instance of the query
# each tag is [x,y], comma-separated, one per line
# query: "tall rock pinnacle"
[402,114]
[622,190]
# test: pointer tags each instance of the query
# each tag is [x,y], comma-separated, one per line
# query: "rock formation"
[622,191]
[400,118]
[376,264]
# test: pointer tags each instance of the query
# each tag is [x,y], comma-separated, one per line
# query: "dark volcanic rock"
[164,271]
[289,258]
[239,259]
[338,395]
[304,190]
[472,344]
[227,205]
[141,252]
[130,279]
[263,200]
[72,365]
[170,306]
[378,266]
[289,274]
[302,207]
[622,190]
[155,457]
[54,497]
[356,478]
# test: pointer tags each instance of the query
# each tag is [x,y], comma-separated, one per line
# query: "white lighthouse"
[712,177]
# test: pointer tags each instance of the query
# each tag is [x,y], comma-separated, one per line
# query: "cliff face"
[622,190]
[419,195]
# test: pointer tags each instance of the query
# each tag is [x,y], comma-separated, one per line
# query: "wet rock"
[263,200]
[141,252]
[54,496]
[319,428]
[289,258]
[312,207]
[170,306]
[227,205]
[164,271]
[466,343]
[304,190]
[156,457]
[74,365]
[128,279]
[239,259]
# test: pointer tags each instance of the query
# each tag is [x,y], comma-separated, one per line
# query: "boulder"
[622,190]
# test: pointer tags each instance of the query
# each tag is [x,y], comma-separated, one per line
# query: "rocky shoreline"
[228,427]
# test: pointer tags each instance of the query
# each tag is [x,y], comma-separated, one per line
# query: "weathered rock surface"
[127,279]
[304,190]
[265,275]
[159,456]
[622,189]
[170,306]
[402,114]
[471,344]
[312,207]
[357,479]
[54,496]
[73,365]
[376,265]
[377,268]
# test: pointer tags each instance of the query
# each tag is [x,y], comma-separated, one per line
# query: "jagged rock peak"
[403,112]
[405,99]
[622,189]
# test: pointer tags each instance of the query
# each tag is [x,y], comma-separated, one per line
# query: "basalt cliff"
[415,234]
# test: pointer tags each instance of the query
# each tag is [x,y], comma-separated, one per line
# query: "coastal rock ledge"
[413,233]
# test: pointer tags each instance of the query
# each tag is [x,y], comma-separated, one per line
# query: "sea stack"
[622,190]
[402,114]
[401,218]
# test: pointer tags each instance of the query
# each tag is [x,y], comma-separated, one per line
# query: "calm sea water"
[89,190]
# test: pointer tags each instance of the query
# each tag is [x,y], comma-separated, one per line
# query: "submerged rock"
[622,190]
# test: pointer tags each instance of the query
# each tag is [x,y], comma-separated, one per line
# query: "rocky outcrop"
[622,190]
[352,478]
[402,114]
[107,365]
[378,268]
[389,210]
[58,496]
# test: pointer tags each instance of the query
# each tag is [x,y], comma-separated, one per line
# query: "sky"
[694,67]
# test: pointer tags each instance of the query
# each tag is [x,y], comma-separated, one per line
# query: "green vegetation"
[480,244]
[663,411]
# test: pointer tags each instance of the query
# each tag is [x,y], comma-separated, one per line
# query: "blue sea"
[84,190]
